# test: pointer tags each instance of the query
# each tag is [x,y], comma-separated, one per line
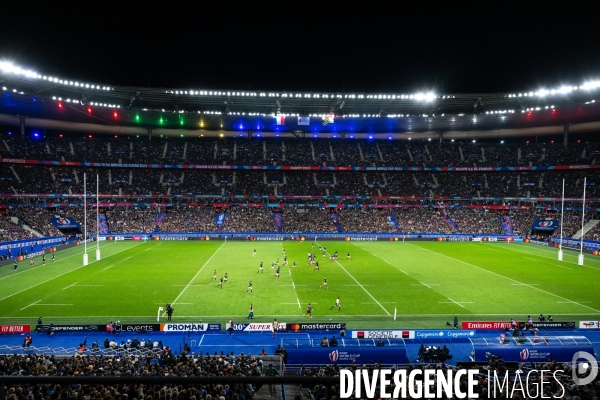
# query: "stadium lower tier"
[23,222]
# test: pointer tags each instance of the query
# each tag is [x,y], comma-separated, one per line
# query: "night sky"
[304,46]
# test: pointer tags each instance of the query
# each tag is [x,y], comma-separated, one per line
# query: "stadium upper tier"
[129,174]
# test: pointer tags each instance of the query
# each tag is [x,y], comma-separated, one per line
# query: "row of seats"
[290,151]
[28,179]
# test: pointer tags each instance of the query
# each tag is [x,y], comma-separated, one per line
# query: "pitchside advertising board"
[8,329]
[141,328]
[256,327]
[408,334]
[346,355]
[189,327]
[531,353]
[500,325]
[589,324]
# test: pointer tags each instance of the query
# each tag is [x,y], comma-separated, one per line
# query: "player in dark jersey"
[316,267]
[277,273]
[294,265]
[52,258]
[43,259]
[254,253]
[308,310]
[260,268]
[225,277]
[215,275]
[16,265]
[324,283]
[285,260]
[249,287]
[348,257]
[220,283]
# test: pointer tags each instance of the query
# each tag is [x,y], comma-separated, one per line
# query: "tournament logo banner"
[545,225]
[219,221]
[65,223]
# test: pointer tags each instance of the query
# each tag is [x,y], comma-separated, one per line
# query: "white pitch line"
[383,302]
[189,285]
[126,259]
[299,306]
[502,276]
[53,304]
[70,286]
[366,291]
[197,273]
[512,248]
[560,266]
[39,266]
[108,267]
[293,285]
[89,285]
[359,285]
[565,302]
[426,284]
[58,276]
[529,258]
[456,302]
[30,305]
[525,284]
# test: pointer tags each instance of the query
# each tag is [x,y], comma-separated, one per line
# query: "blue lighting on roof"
[389,137]
[241,126]
[370,136]
[35,134]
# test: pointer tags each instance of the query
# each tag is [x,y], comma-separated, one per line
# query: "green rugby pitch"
[425,283]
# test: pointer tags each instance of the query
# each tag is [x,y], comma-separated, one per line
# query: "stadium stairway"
[586,228]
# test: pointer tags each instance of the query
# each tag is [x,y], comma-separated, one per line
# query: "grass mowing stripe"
[366,291]
[58,276]
[458,303]
[512,248]
[40,265]
[195,276]
[505,277]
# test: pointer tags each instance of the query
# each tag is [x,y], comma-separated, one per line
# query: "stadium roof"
[68,104]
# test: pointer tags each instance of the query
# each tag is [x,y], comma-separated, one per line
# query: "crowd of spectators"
[295,151]
[183,365]
[411,218]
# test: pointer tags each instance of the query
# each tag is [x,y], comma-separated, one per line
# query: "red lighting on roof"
[115,114]
[89,110]
[116,136]
[90,136]
[61,135]
[60,104]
